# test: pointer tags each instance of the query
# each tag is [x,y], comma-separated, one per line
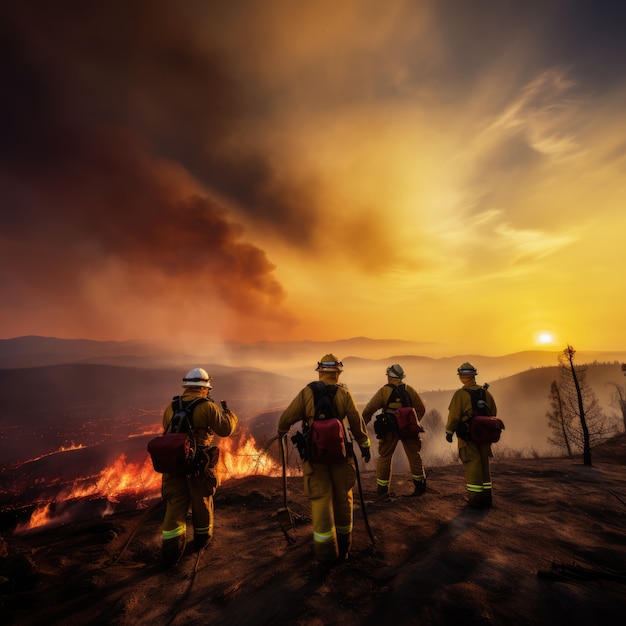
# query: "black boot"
[487,499]
[171,551]
[476,501]
[199,541]
[420,487]
[382,490]
[344,541]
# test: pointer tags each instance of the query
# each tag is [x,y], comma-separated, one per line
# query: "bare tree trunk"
[569,352]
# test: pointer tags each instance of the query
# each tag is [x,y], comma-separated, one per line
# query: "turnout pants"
[329,488]
[179,492]
[386,449]
[475,460]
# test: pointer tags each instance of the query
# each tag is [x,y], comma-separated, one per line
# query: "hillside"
[551,551]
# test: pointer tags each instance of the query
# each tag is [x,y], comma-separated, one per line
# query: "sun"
[545,339]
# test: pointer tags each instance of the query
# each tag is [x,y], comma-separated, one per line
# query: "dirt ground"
[550,551]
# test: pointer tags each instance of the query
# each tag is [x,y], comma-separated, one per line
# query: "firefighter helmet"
[197,377]
[467,369]
[329,363]
[395,371]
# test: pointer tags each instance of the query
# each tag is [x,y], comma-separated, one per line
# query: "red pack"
[328,441]
[409,426]
[486,429]
[172,453]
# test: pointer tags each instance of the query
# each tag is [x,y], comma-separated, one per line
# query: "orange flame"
[40,516]
[119,479]
[238,458]
[72,446]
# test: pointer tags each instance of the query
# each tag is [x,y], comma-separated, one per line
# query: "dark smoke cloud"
[105,199]
[83,184]
[146,66]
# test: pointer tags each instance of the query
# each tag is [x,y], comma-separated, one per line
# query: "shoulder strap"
[320,389]
[399,391]
[317,386]
[188,407]
[478,396]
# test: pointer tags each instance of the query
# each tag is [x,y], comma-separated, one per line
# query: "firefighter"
[389,398]
[208,420]
[329,487]
[475,457]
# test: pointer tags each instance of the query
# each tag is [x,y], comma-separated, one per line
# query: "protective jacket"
[381,397]
[179,492]
[303,407]
[208,418]
[475,458]
[329,487]
[460,409]
[387,445]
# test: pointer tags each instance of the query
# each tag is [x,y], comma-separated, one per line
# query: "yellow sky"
[425,171]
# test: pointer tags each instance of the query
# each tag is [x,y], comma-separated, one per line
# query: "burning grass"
[137,482]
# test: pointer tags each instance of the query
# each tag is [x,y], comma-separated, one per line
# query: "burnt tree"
[567,361]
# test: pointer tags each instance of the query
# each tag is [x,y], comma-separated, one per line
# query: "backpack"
[174,451]
[483,427]
[327,437]
[404,420]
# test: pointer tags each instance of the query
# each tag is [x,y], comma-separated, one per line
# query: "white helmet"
[395,371]
[197,377]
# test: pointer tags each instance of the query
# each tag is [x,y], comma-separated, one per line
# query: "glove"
[449,437]
[366,454]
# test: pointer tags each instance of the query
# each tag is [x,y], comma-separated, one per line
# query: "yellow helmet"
[329,363]
[466,369]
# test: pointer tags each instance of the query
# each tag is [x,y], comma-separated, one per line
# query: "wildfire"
[238,458]
[118,479]
[61,449]
[72,446]
[40,516]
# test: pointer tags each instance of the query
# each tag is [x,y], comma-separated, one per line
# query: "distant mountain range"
[284,357]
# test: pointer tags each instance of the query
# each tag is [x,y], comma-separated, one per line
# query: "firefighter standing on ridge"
[389,398]
[475,457]
[329,487]
[179,492]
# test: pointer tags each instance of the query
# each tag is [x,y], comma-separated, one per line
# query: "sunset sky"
[448,171]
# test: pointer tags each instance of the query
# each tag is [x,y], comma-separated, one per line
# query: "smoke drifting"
[101,223]
[241,152]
